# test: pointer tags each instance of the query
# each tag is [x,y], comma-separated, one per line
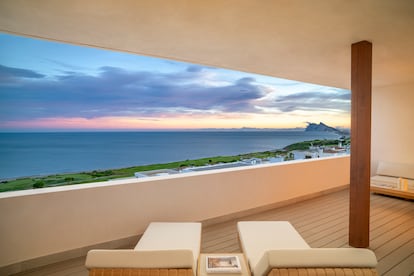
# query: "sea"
[46,153]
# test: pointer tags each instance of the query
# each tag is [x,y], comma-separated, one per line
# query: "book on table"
[223,264]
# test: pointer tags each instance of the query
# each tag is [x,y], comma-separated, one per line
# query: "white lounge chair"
[165,248]
[276,248]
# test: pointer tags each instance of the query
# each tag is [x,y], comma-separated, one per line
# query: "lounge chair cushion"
[129,258]
[163,245]
[315,258]
[172,236]
[258,237]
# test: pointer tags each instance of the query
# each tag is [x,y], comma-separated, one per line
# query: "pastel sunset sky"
[50,86]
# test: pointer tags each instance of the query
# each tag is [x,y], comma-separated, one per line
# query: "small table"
[202,265]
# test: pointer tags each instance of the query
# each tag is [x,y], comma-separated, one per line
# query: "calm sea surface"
[28,154]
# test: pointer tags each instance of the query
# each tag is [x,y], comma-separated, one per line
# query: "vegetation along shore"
[36,182]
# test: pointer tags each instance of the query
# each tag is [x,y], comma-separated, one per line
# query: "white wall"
[43,222]
[392,124]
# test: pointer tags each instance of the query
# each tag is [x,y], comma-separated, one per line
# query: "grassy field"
[104,175]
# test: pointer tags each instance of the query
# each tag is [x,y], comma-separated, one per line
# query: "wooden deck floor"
[323,222]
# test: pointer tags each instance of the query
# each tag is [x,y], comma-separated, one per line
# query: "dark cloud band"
[117,92]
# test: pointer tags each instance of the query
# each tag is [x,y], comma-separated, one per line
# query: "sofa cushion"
[129,258]
[258,237]
[314,257]
[395,169]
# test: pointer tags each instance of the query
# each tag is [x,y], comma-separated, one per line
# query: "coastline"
[33,182]
[41,154]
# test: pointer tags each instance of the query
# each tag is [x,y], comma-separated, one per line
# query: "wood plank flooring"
[322,222]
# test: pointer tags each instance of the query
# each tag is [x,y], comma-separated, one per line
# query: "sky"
[46,86]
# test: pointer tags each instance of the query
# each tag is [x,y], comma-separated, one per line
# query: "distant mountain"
[322,127]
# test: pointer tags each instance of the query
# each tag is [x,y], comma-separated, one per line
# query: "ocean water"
[29,154]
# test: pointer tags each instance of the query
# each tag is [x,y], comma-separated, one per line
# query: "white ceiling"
[295,39]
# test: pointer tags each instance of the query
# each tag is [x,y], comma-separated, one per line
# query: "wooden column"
[359,205]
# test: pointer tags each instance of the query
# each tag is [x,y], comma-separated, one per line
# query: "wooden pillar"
[359,205]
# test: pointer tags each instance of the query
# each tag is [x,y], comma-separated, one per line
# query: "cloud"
[64,64]
[195,68]
[119,92]
[337,100]
[11,74]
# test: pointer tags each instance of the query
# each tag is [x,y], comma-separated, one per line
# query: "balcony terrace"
[322,221]
[312,194]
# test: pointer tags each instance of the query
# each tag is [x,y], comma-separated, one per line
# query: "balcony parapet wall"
[49,221]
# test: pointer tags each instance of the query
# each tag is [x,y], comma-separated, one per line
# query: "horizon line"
[153,130]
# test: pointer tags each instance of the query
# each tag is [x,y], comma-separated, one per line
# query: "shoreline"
[29,155]
[62,179]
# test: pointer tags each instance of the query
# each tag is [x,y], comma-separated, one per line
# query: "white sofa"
[276,245]
[164,245]
[394,179]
